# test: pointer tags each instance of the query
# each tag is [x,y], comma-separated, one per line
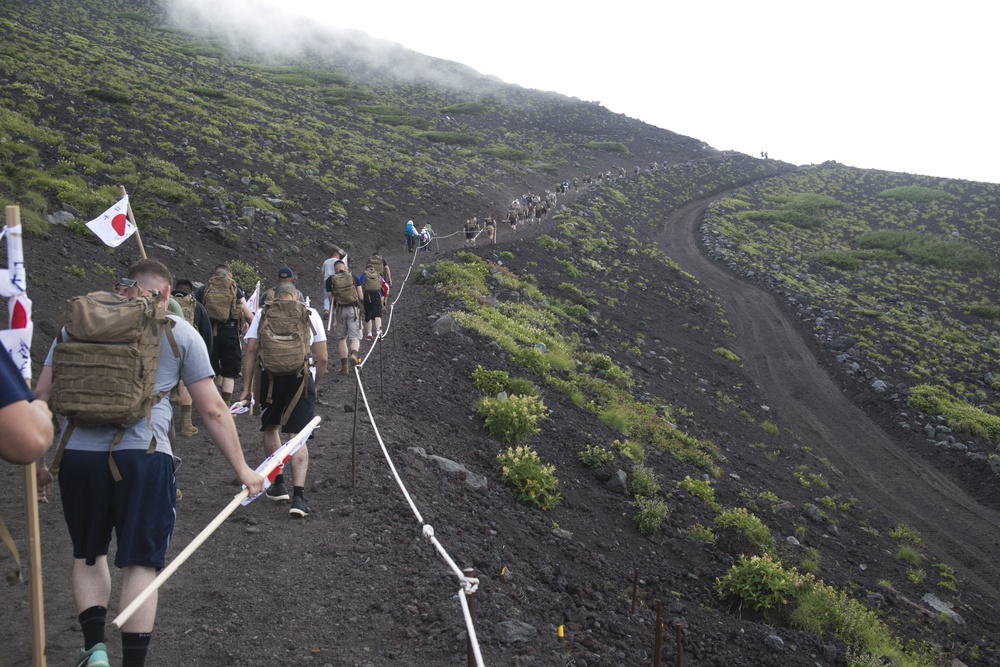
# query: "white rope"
[472,628]
[469,584]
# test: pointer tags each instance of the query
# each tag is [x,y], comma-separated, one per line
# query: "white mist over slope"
[904,86]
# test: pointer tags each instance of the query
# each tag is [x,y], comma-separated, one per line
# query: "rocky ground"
[356,583]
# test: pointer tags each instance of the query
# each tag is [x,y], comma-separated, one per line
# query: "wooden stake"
[166,572]
[34,543]
[131,217]
[658,642]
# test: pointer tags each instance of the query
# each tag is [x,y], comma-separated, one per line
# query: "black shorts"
[140,508]
[373,305]
[285,388]
[227,356]
[469,235]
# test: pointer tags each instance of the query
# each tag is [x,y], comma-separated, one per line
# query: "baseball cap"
[285,272]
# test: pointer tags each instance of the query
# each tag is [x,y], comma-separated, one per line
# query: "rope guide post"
[381,368]
[471,653]
[658,641]
[354,433]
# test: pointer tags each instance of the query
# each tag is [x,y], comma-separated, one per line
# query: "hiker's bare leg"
[135,579]
[91,583]
[342,348]
[272,439]
[227,385]
[300,464]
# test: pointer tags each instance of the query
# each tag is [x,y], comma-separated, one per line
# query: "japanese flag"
[17,339]
[113,226]
[252,301]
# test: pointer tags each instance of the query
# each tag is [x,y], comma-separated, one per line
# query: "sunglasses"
[125,283]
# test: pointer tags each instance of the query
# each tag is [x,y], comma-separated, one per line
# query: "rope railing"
[469,585]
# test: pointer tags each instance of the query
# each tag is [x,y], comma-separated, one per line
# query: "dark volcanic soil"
[356,583]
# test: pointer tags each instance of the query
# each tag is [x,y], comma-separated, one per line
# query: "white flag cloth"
[113,226]
[13,278]
[252,301]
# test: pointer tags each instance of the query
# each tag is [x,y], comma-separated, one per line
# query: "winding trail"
[876,469]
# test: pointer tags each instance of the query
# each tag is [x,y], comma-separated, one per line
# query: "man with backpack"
[226,306]
[345,298]
[379,263]
[285,275]
[282,337]
[372,286]
[327,271]
[411,236]
[115,465]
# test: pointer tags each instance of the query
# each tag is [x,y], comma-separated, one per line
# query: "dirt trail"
[876,469]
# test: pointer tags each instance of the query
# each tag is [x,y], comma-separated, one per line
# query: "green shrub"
[759,583]
[595,456]
[507,153]
[490,383]
[630,449]
[835,259]
[740,532]
[699,489]
[110,95]
[531,360]
[908,554]
[522,387]
[700,533]
[769,427]
[903,533]
[928,249]
[511,419]
[450,138]
[959,415]
[726,354]
[985,311]
[533,482]
[245,275]
[652,512]
[643,482]
[914,193]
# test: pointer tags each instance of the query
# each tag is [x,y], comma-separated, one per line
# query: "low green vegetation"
[738,532]
[595,456]
[726,354]
[650,515]
[533,482]
[511,419]
[763,584]
[959,415]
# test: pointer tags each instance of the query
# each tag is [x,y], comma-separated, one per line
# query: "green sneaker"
[97,656]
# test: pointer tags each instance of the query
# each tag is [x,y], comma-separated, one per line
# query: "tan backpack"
[284,342]
[344,289]
[187,303]
[220,299]
[104,371]
[372,282]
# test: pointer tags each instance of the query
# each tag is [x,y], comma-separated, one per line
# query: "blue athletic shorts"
[140,508]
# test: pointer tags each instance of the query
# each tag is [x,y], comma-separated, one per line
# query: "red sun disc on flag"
[19,316]
[118,224]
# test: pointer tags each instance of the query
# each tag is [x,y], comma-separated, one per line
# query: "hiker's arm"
[320,357]
[221,428]
[249,366]
[361,294]
[247,315]
[27,431]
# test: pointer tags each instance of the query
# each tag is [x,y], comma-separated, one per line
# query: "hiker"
[327,271]
[281,337]
[130,490]
[512,220]
[411,236]
[471,228]
[196,315]
[227,309]
[25,422]
[346,296]
[372,285]
[491,230]
[379,263]
[426,235]
[285,275]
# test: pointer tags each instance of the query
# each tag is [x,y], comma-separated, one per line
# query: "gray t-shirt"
[193,365]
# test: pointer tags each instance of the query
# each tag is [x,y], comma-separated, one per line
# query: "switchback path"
[877,469]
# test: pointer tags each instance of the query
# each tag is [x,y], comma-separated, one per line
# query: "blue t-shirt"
[13,388]
[193,365]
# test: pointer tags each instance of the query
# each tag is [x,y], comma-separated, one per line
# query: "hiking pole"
[131,216]
[381,370]
[15,261]
[165,574]
[329,317]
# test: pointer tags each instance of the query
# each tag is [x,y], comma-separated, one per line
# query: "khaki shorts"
[345,323]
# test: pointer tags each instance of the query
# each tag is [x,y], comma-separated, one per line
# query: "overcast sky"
[898,85]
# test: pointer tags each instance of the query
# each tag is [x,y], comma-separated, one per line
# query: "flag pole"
[34,549]
[131,217]
[207,531]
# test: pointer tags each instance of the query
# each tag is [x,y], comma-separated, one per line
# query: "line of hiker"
[123,357]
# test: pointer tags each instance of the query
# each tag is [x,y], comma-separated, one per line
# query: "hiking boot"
[344,370]
[299,508]
[97,656]
[355,359]
[188,430]
[277,492]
